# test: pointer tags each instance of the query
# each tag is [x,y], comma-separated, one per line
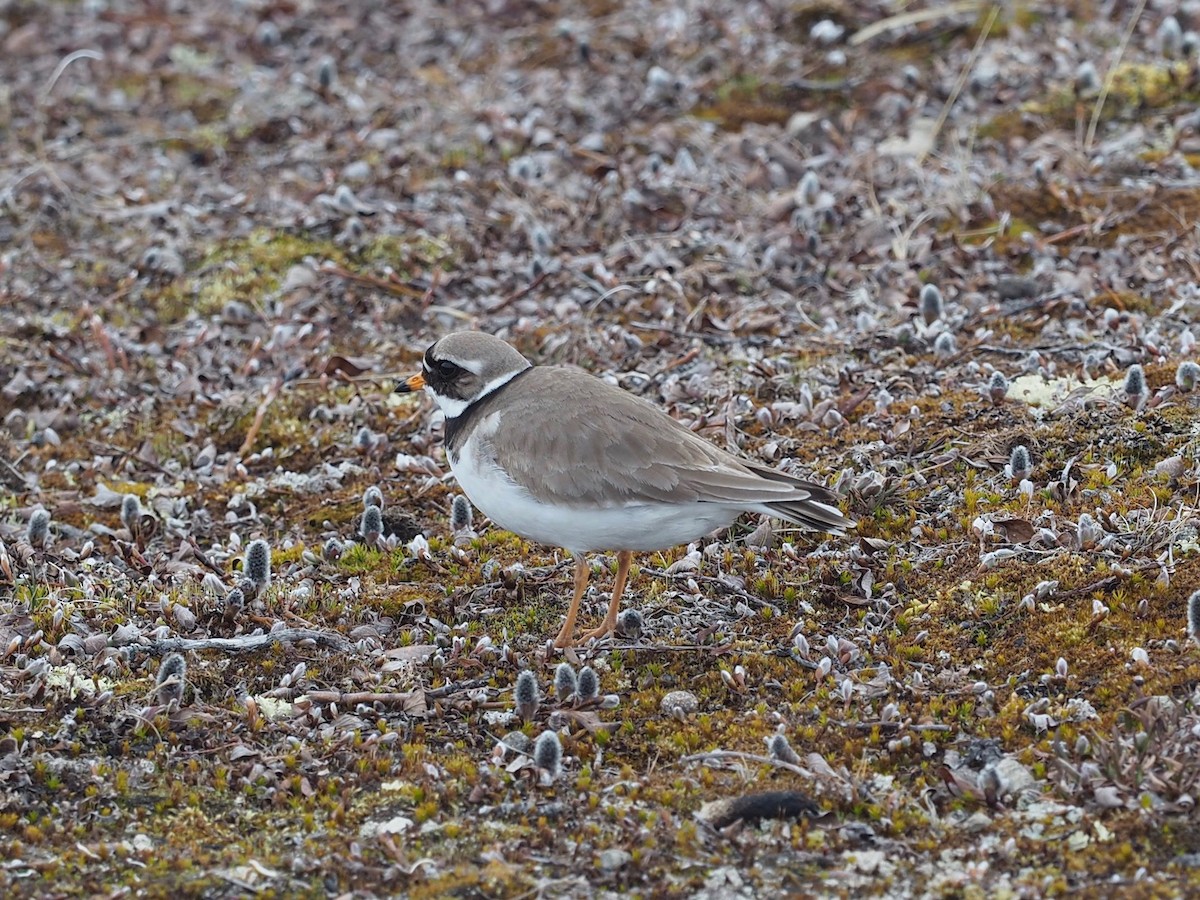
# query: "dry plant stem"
[518,294]
[248,643]
[398,288]
[890,726]
[962,80]
[259,415]
[907,19]
[719,755]
[39,136]
[1108,76]
[389,698]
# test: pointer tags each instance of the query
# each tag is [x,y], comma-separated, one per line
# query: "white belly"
[631,527]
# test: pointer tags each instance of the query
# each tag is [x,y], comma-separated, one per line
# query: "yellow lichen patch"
[749,101]
[250,268]
[1134,86]
[242,269]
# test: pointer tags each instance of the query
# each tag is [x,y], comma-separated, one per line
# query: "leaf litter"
[881,250]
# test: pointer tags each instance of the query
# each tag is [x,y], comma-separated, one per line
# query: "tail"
[812,514]
[818,512]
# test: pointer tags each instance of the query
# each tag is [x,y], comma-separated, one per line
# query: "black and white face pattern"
[448,379]
[463,368]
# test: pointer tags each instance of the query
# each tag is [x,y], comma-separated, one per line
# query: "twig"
[719,340]
[391,285]
[361,697]
[259,415]
[722,586]
[454,687]
[816,84]
[14,474]
[123,453]
[517,295]
[907,19]
[714,755]
[435,282]
[242,885]
[248,643]
[638,646]
[393,697]
[1104,584]
[1108,76]
[1059,350]
[203,559]
[891,726]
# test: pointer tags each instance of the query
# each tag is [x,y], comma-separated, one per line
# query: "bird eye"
[446,369]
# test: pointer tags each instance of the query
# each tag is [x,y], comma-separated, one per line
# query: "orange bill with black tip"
[411,384]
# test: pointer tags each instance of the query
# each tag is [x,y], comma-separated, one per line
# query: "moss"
[1134,88]
[745,99]
[242,269]
[214,785]
[246,269]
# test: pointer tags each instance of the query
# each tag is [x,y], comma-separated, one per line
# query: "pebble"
[679,702]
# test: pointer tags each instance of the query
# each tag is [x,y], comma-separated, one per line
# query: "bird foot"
[606,628]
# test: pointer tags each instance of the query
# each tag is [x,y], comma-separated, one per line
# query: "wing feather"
[605,447]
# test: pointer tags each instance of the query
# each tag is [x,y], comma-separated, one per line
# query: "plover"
[559,457]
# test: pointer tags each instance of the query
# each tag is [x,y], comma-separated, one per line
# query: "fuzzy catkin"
[525,695]
[547,753]
[258,563]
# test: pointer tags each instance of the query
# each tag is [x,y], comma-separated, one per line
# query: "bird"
[562,458]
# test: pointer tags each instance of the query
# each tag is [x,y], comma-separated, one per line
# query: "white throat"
[452,407]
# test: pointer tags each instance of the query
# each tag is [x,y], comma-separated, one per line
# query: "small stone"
[184,618]
[613,859]
[978,821]
[679,704]
[517,740]
[1016,287]
[1006,777]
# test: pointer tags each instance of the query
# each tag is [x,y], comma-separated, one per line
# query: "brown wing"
[593,444]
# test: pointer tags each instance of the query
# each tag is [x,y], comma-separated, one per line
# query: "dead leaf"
[871,546]
[414,652]
[347,365]
[415,705]
[1016,531]
[851,403]
[589,720]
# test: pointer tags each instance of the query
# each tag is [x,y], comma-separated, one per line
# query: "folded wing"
[609,448]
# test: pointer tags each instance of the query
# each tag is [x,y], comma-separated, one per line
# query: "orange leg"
[581,582]
[624,561]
